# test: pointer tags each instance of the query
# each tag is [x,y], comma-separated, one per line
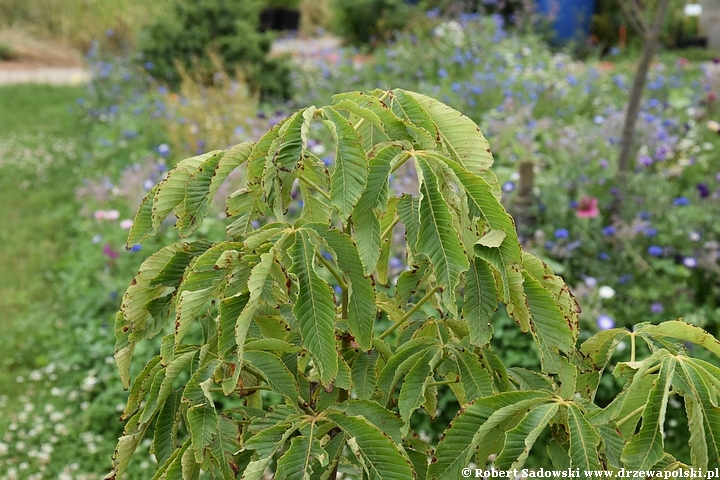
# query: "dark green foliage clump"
[229,28]
[363,21]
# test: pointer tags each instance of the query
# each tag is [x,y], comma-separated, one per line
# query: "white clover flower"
[4,448]
[56,392]
[35,375]
[61,429]
[606,292]
[56,416]
[317,149]
[89,382]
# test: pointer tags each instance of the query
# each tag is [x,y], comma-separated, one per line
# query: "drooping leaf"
[365,220]
[274,372]
[382,457]
[203,425]
[521,439]
[413,388]
[436,237]
[363,374]
[584,440]
[351,168]
[314,308]
[373,412]
[647,447]
[470,427]
[680,330]
[361,307]
[475,379]
[480,301]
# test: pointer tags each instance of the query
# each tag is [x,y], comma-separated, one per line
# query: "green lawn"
[41,140]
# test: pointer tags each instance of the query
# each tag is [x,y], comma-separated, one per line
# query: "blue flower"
[655,250]
[690,262]
[681,201]
[562,233]
[508,186]
[625,278]
[650,232]
[599,119]
[395,262]
[549,245]
[149,65]
[162,90]
[136,248]
[338,290]
[163,149]
[603,256]
[605,322]
[657,307]
[442,73]
[608,231]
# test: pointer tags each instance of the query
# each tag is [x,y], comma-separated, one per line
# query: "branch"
[633,13]
[410,312]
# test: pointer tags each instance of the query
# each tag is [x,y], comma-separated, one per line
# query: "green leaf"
[521,439]
[142,226]
[275,373]
[314,308]
[549,327]
[460,136]
[437,238]
[204,184]
[401,361]
[529,380]
[266,443]
[680,330]
[171,191]
[492,239]
[256,284]
[647,447]
[408,209]
[382,457]
[365,221]
[375,111]
[472,425]
[203,424]
[225,445]
[296,462]
[351,168]
[595,354]
[373,412]
[480,301]
[363,374]
[126,446]
[388,220]
[475,379]
[229,311]
[702,412]
[413,387]
[241,204]
[361,307]
[584,440]
[282,160]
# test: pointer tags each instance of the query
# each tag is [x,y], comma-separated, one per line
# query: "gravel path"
[48,75]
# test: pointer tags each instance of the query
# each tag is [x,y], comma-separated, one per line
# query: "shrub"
[294,336]
[192,29]
[362,21]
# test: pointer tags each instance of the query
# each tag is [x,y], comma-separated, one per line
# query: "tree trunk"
[650,40]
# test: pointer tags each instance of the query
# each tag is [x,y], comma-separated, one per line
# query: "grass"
[41,138]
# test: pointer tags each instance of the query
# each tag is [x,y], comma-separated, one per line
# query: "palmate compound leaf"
[476,424]
[677,329]
[382,457]
[296,463]
[314,308]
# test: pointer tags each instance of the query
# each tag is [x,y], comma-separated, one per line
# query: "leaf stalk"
[410,312]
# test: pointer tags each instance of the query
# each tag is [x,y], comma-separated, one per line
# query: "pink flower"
[100,215]
[588,208]
[112,215]
[683,62]
[109,252]
[126,224]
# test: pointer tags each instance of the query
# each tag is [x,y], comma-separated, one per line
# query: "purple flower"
[605,322]
[562,233]
[508,186]
[690,262]
[645,160]
[657,307]
[136,248]
[109,252]
[650,232]
[625,278]
[681,201]
[608,231]
[655,250]
[395,262]
[603,256]
[703,190]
